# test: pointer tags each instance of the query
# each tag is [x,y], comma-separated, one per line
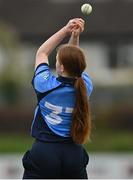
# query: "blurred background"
[108,45]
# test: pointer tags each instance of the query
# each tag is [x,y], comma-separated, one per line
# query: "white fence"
[111,166]
[101,166]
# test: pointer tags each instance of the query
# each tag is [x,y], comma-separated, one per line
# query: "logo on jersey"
[45,75]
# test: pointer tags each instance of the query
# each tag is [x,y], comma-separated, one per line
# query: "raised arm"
[47,47]
[74,39]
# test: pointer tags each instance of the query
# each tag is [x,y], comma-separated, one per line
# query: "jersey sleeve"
[44,80]
[88,83]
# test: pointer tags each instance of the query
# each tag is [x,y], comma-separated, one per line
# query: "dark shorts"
[55,161]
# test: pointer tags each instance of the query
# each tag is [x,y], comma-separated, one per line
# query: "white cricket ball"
[86,9]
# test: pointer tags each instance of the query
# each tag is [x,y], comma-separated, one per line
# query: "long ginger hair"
[73,60]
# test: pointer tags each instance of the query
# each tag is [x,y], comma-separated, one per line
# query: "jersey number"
[54,117]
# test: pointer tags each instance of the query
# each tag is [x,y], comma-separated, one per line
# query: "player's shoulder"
[44,80]
[88,83]
[40,68]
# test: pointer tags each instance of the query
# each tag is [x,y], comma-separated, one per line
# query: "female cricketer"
[61,123]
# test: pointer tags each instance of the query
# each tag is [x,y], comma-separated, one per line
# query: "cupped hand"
[75,25]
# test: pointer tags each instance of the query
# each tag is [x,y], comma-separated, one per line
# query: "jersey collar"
[66,79]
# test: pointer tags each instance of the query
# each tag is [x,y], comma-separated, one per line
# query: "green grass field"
[107,141]
[14,143]
[111,141]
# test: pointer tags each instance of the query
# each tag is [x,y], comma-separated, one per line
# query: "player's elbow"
[41,54]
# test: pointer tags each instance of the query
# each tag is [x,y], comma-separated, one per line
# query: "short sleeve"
[88,83]
[44,80]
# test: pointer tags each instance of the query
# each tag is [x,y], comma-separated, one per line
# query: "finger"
[80,20]
[77,22]
[80,25]
[77,29]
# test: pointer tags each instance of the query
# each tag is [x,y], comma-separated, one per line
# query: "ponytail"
[81,123]
[73,60]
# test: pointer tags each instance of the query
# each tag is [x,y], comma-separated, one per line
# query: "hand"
[75,26]
[79,28]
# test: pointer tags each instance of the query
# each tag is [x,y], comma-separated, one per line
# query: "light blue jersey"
[56,100]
